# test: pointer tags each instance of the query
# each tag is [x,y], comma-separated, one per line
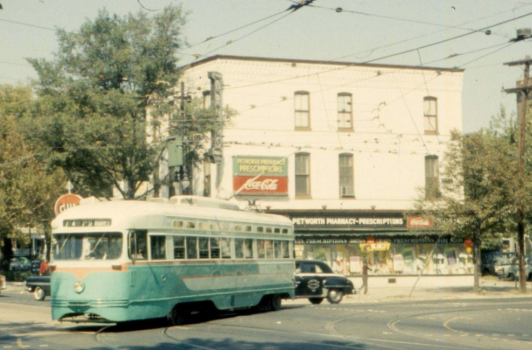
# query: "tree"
[477,200]
[96,96]
[27,190]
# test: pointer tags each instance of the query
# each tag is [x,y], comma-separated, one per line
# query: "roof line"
[337,63]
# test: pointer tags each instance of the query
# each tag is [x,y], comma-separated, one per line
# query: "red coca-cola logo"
[264,185]
[415,221]
[267,185]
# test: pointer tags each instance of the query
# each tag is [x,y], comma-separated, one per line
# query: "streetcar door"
[308,280]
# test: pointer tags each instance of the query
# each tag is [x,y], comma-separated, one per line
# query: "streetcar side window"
[215,248]
[192,247]
[276,230]
[260,249]
[158,247]
[203,247]
[285,249]
[278,250]
[203,226]
[248,249]
[239,248]
[285,231]
[179,248]
[268,247]
[225,245]
[249,228]
[138,245]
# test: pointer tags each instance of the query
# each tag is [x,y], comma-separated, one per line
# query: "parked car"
[19,263]
[316,281]
[2,283]
[511,271]
[39,286]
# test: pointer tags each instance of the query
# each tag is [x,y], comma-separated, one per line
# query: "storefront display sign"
[418,222]
[260,175]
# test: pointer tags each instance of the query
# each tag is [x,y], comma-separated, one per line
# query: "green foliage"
[17,276]
[96,94]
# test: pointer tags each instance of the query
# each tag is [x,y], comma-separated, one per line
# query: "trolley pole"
[523,90]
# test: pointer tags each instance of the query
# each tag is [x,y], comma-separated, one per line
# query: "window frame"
[352,175]
[307,175]
[307,111]
[426,122]
[343,112]
[431,191]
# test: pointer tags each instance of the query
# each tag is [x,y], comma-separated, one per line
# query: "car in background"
[3,285]
[316,281]
[39,286]
[19,263]
[511,271]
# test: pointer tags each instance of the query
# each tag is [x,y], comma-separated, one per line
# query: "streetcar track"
[392,324]
[100,341]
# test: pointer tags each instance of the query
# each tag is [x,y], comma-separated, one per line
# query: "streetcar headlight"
[79,286]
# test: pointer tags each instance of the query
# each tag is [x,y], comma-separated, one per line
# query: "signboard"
[66,201]
[418,222]
[260,175]
[347,221]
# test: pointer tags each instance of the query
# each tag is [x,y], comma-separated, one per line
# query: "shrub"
[17,276]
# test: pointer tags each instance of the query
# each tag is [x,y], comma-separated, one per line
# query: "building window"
[301,109]
[302,175]
[345,111]
[430,106]
[206,99]
[347,188]
[432,182]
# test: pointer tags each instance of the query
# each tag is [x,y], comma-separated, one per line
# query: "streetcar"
[120,261]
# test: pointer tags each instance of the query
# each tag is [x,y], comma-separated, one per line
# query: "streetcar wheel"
[275,302]
[175,318]
[315,301]
[39,294]
[335,296]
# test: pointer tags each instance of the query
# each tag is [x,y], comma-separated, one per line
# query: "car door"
[308,281]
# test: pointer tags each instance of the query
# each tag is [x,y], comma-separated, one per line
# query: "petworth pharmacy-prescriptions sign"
[273,179]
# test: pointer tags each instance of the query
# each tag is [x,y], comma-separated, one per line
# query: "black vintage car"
[316,281]
[39,286]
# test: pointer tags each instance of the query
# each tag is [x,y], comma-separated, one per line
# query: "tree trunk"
[521,242]
[7,250]
[477,242]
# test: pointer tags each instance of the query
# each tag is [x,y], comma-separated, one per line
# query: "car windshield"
[87,246]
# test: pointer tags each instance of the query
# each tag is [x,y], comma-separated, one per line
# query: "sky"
[363,31]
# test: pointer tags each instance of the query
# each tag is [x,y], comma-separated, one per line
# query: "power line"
[449,39]
[245,36]
[467,53]
[489,53]
[234,30]
[28,25]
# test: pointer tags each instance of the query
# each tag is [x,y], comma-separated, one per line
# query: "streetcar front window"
[87,246]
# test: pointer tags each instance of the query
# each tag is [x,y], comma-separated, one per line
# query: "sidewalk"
[491,288]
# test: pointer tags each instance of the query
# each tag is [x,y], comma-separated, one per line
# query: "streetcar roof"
[143,214]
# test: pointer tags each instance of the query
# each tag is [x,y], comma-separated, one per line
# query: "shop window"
[430,106]
[347,188]
[345,111]
[302,175]
[158,247]
[302,110]
[432,181]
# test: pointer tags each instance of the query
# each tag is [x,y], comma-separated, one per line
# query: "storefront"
[391,244]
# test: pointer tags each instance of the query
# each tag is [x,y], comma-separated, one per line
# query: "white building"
[341,148]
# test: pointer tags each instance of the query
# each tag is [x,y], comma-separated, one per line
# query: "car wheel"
[315,301]
[175,317]
[335,296]
[276,302]
[39,294]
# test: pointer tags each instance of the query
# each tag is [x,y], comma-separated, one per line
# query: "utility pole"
[523,92]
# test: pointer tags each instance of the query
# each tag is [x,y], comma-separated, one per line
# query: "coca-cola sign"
[260,175]
[265,185]
[419,222]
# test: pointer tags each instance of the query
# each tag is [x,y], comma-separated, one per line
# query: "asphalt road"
[463,324]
